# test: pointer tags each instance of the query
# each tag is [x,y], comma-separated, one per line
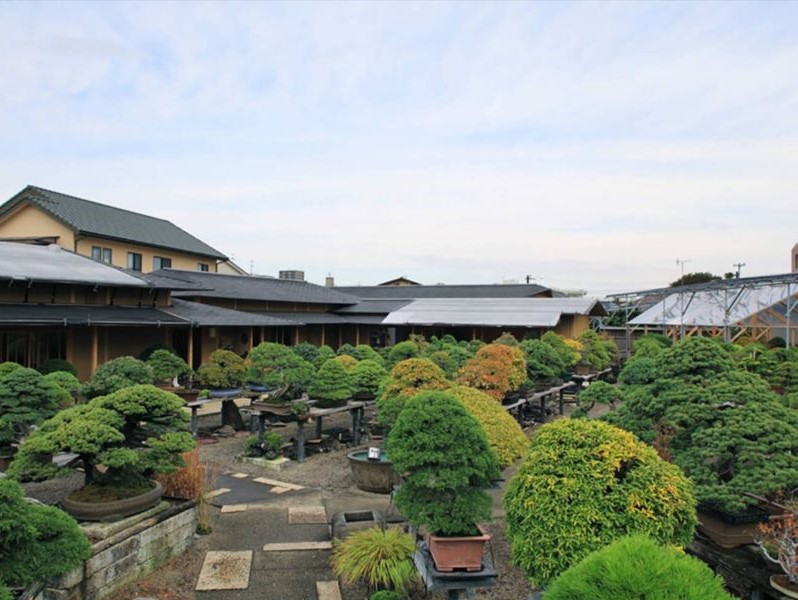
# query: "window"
[160,262]
[134,261]
[202,267]
[101,254]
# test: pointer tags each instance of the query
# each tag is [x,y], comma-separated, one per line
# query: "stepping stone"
[275,483]
[215,493]
[225,571]
[328,590]
[234,508]
[306,514]
[295,546]
[279,490]
[240,475]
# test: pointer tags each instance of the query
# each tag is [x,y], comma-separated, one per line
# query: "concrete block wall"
[127,559]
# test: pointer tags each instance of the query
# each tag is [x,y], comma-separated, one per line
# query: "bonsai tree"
[598,392]
[117,374]
[785,376]
[366,352]
[381,558]
[52,365]
[507,354]
[585,484]
[63,379]
[346,350]
[505,436]
[306,351]
[489,375]
[367,376]
[445,361]
[224,370]
[134,432]
[447,461]
[325,354]
[276,365]
[6,368]
[269,447]
[333,383]
[506,339]
[36,542]
[26,399]
[568,355]
[598,352]
[407,379]
[347,361]
[401,351]
[543,362]
[778,540]
[166,366]
[638,371]
[638,567]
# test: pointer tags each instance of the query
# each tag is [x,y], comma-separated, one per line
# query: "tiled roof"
[73,314]
[31,263]
[216,316]
[373,307]
[100,220]
[252,288]
[408,292]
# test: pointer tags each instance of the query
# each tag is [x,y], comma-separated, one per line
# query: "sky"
[587,145]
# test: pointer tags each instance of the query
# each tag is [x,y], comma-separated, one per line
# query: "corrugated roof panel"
[27,262]
[216,316]
[707,308]
[409,292]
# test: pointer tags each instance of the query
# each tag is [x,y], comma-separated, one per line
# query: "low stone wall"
[125,551]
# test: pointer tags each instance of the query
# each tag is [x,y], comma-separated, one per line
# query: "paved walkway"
[271,540]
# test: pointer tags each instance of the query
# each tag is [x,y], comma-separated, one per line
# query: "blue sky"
[585,144]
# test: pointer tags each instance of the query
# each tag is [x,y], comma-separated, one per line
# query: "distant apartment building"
[292,275]
[794,259]
[110,235]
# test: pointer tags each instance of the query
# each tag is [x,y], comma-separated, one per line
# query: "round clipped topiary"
[408,378]
[447,461]
[585,484]
[224,370]
[694,360]
[638,567]
[543,362]
[367,376]
[274,364]
[325,353]
[333,383]
[27,398]
[36,542]
[167,365]
[8,367]
[52,365]
[366,352]
[117,374]
[505,436]
[401,351]
[306,351]
[511,354]
[638,371]
[347,361]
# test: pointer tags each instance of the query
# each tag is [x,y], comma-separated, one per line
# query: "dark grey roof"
[72,314]
[53,264]
[373,307]
[216,316]
[446,291]
[100,220]
[326,318]
[254,288]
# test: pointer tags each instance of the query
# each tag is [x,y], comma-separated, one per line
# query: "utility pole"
[739,266]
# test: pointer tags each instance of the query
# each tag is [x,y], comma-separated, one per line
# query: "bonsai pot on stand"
[458,553]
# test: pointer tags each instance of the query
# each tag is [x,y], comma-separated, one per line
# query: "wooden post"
[251,338]
[543,409]
[190,349]
[357,335]
[318,427]
[296,335]
[562,402]
[340,336]
[323,332]
[357,418]
[300,440]
[95,349]
[261,425]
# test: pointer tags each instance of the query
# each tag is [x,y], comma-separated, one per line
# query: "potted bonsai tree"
[367,376]
[166,368]
[122,439]
[223,374]
[117,374]
[446,462]
[778,540]
[274,365]
[332,385]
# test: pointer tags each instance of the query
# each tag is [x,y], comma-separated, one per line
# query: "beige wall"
[27,221]
[119,252]
[571,326]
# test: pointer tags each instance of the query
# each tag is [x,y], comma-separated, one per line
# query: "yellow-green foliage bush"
[407,379]
[585,484]
[346,361]
[504,433]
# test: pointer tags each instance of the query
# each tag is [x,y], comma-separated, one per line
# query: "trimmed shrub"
[366,352]
[381,558]
[224,369]
[332,382]
[63,379]
[506,339]
[638,371]
[367,376]
[167,365]
[346,350]
[511,354]
[447,460]
[487,375]
[568,356]
[585,484]
[505,436]
[147,352]
[597,351]
[694,360]
[598,392]
[275,364]
[117,374]
[638,567]
[36,542]
[407,379]
[444,360]
[306,351]
[325,354]
[401,351]
[543,362]
[51,365]
[7,368]
[347,361]
[27,398]
[785,376]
